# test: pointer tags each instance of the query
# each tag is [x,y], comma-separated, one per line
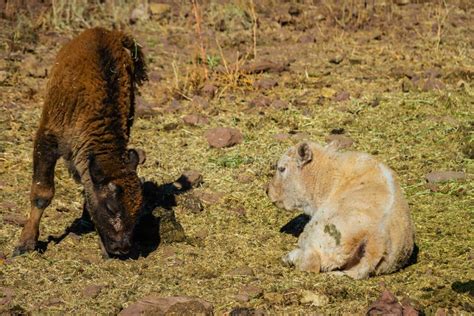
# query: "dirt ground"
[395,78]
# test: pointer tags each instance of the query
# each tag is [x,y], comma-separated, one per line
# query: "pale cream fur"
[360,221]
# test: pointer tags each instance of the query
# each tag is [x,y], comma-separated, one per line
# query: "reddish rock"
[387,304]
[92,291]
[174,107]
[251,291]
[279,104]
[221,137]
[210,197]
[307,39]
[143,108]
[342,140]
[266,66]
[443,176]
[260,101]
[14,219]
[281,137]
[242,271]
[174,305]
[195,119]
[342,96]
[191,178]
[265,84]
[199,102]
[209,90]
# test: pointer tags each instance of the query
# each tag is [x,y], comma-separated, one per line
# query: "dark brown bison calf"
[86,119]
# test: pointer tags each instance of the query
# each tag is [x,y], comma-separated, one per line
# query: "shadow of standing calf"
[157,222]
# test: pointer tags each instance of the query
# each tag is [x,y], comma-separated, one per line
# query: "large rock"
[220,137]
[174,305]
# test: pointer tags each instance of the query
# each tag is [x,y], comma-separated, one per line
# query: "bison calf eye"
[281,169]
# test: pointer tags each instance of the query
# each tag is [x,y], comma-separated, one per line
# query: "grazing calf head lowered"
[87,116]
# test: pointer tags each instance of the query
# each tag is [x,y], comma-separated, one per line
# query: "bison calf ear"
[305,155]
[136,157]
[95,171]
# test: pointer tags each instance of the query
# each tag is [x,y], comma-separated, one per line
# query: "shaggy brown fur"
[86,119]
[360,222]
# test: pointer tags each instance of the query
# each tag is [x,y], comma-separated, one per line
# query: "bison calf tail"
[139,64]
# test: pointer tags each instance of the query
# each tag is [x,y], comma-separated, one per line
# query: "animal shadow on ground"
[156,223]
[296,226]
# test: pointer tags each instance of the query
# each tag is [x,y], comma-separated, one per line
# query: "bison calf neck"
[86,120]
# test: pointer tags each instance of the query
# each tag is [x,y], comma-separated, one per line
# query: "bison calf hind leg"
[45,155]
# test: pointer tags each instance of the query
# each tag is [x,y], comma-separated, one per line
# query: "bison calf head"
[287,188]
[115,201]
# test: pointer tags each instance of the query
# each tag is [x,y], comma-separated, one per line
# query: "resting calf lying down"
[360,222]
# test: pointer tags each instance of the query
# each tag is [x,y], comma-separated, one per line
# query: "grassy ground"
[408,71]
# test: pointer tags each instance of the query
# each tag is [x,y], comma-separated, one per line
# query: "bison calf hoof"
[24,248]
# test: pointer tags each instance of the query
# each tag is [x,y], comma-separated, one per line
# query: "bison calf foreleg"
[45,155]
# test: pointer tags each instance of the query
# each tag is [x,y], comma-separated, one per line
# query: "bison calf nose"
[120,247]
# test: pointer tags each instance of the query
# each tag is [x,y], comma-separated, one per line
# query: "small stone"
[191,178]
[138,14]
[209,90]
[195,119]
[443,176]
[199,102]
[192,203]
[307,39]
[337,59]
[265,84]
[14,219]
[243,271]
[328,92]
[433,84]
[386,304]
[260,101]
[92,291]
[279,104]
[441,312]
[174,305]
[251,291]
[281,137]
[221,137]
[315,299]
[266,66]
[242,298]
[244,177]
[342,96]
[342,140]
[239,210]
[143,108]
[174,107]
[210,197]
[170,127]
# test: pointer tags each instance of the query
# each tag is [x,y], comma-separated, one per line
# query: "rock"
[210,197]
[279,104]
[53,301]
[337,59]
[143,108]
[14,219]
[307,39]
[244,177]
[265,84]
[242,271]
[342,96]
[239,210]
[246,311]
[138,14]
[315,299]
[170,229]
[242,298]
[221,137]
[199,102]
[443,176]
[174,107]
[6,296]
[209,90]
[265,66]
[251,291]
[91,291]
[190,178]
[260,101]
[387,304]
[170,127]
[281,137]
[342,140]
[174,305]
[195,119]
[159,10]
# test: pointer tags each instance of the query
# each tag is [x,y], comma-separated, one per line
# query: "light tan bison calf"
[360,222]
